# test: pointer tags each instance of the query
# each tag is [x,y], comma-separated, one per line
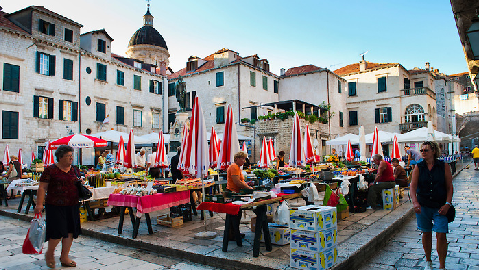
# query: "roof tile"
[353,68]
[301,69]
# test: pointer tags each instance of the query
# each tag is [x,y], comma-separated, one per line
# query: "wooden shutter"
[50,108]
[276,86]
[339,86]
[67,69]
[219,79]
[60,109]
[265,83]
[41,23]
[51,63]
[15,79]
[9,125]
[152,86]
[390,115]
[51,29]
[352,88]
[37,63]
[100,112]
[341,119]
[377,117]
[252,77]
[160,88]
[74,111]
[36,109]
[381,84]
[220,115]
[120,115]
[353,118]
[7,77]
[254,113]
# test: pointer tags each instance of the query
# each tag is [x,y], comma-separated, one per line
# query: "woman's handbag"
[83,192]
[451,213]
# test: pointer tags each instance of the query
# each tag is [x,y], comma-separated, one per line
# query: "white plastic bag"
[362,185]
[283,214]
[35,238]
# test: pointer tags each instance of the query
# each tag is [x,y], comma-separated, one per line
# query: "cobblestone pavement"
[88,253]
[404,251]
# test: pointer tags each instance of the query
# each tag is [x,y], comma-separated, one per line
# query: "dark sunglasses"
[424,150]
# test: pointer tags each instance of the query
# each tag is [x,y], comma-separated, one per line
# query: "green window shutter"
[60,109]
[7,77]
[74,111]
[51,29]
[219,79]
[40,25]
[353,118]
[9,125]
[37,63]
[352,88]
[265,83]
[136,82]
[152,86]
[390,115]
[341,119]
[381,84]
[252,76]
[50,108]
[120,77]
[104,72]
[220,115]
[100,112]
[276,86]
[68,35]
[254,113]
[120,115]
[15,78]
[339,86]
[51,65]
[36,109]
[377,117]
[67,69]
[160,89]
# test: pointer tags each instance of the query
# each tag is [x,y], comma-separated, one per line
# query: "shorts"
[430,220]
[413,162]
[476,160]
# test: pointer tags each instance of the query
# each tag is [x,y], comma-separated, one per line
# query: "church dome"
[147,35]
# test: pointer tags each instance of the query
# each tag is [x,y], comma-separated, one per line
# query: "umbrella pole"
[206,234]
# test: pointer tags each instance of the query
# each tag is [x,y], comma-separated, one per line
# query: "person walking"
[413,157]
[431,195]
[59,193]
[475,156]
[383,180]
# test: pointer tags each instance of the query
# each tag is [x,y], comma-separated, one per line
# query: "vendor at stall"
[140,160]
[175,172]
[101,161]
[399,174]
[383,180]
[280,160]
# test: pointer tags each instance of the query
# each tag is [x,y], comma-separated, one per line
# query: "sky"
[328,34]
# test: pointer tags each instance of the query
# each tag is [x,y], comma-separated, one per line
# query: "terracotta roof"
[417,71]
[6,23]
[301,69]
[182,72]
[99,31]
[353,68]
[459,74]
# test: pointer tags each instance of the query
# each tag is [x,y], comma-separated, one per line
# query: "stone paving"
[404,251]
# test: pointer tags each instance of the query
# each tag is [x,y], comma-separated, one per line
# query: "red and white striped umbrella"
[349,152]
[395,153]
[308,146]
[244,148]
[230,144]
[214,150]
[79,141]
[130,151]
[33,156]
[272,153]
[263,155]
[377,148]
[296,151]
[48,158]
[184,146]
[160,159]
[20,159]
[197,159]
[6,156]
[121,153]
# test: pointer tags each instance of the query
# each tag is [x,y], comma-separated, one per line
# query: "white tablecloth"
[16,186]
[102,193]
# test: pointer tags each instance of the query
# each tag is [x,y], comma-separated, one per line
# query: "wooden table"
[29,191]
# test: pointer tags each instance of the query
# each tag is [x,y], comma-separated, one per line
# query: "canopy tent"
[343,140]
[386,137]
[114,136]
[219,136]
[422,134]
[153,137]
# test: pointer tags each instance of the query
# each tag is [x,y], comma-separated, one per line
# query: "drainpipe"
[79,105]
[254,138]
[239,94]
[329,112]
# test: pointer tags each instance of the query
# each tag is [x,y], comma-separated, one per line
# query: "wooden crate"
[98,203]
[38,167]
[166,220]
[343,214]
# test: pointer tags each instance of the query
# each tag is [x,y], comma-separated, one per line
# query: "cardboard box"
[83,215]
[253,221]
[303,259]
[313,241]
[271,208]
[389,198]
[280,235]
[166,220]
[344,213]
[396,195]
[313,218]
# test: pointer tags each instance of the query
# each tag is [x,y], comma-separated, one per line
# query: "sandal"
[50,264]
[70,264]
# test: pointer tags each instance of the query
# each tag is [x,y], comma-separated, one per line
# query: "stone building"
[57,82]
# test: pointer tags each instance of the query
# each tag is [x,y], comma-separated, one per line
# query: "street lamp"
[473,36]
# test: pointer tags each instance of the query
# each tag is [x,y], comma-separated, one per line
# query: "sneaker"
[428,265]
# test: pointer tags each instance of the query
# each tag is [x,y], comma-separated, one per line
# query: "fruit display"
[137,191]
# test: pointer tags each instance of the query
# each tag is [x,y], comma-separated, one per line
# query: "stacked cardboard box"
[390,198]
[280,235]
[313,231]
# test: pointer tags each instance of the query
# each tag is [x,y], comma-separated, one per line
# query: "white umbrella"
[386,137]
[343,140]
[296,151]
[6,156]
[153,137]
[114,136]
[197,155]
[229,144]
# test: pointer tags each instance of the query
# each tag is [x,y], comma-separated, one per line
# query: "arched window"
[414,113]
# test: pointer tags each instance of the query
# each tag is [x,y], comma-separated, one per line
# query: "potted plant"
[245,120]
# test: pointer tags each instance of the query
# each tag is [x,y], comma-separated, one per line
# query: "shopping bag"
[330,198]
[33,243]
[283,214]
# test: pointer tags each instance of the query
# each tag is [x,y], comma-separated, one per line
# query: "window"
[171,89]
[11,78]
[188,99]
[68,35]
[407,86]
[220,115]
[67,110]
[155,120]
[419,84]
[42,107]
[137,118]
[414,113]
[353,118]
[254,113]
[383,115]
[101,45]
[156,87]
[193,96]
[120,77]
[137,82]
[100,112]
[339,86]
[171,121]
[352,88]
[252,78]
[220,79]
[120,115]
[276,86]
[9,125]
[46,27]
[67,69]
[381,84]
[265,83]
[137,64]
[101,72]
[341,121]
[45,64]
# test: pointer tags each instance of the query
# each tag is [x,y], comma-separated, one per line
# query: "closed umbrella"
[130,151]
[395,153]
[263,155]
[214,150]
[272,153]
[48,155]
[230,144]
[244,148]
[377,148]
[349,152]
[6,156]
[121,154]
[33,156]
[20,159]
[308,147]
[197,159]
[430,132]
[184,147]
[362,144]
[160,158]
[296,151]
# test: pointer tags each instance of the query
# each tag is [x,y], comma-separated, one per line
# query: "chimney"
[363,65]
[282,71]
[427,65]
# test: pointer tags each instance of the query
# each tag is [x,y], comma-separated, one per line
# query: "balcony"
[406,127]
[419,91]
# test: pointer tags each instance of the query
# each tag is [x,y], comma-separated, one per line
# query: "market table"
[98,194]
[232,219]
[3,192]
[145,205]
[29,191]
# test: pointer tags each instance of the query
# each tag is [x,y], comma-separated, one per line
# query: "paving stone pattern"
[404,251]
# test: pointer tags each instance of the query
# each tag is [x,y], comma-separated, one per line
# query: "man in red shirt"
[384,180]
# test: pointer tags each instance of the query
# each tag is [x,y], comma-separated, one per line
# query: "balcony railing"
[419,91]
[406,127]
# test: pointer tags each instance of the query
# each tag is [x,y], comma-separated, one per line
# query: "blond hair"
[240,154]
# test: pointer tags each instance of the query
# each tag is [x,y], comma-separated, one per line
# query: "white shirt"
[140,160]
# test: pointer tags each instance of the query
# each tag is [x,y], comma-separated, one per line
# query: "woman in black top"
[280,160]
[431,195]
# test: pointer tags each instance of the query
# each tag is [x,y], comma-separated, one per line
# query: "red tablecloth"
[150,203]
[227,208]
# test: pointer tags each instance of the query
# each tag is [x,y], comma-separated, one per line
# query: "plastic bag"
[330,198]
[35,238]
[283,214]
[362,185]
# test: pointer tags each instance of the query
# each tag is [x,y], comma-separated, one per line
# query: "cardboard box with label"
[303,259]
[313,241]
[313,218]
[280,235]
[390,198]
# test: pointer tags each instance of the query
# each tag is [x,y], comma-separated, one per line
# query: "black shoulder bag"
[451,214]
[83,192]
